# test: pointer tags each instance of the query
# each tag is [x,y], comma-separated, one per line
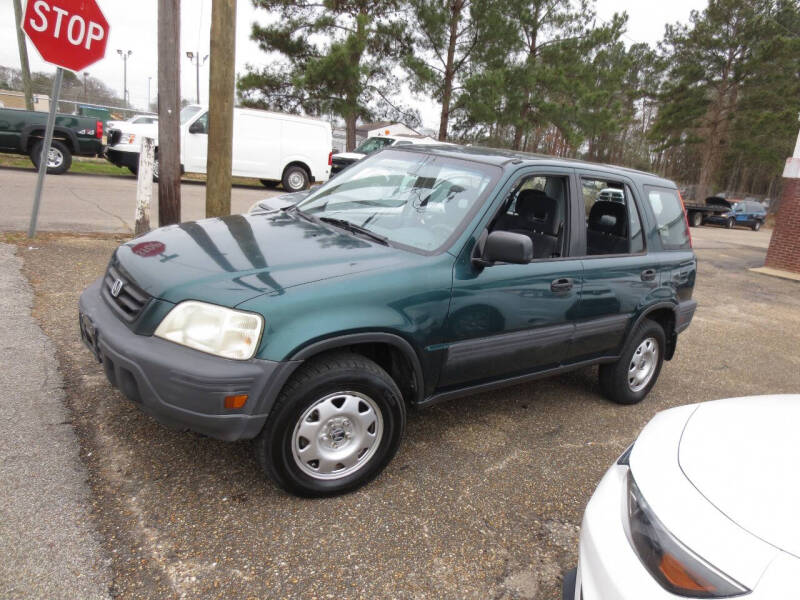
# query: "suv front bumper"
[180,387]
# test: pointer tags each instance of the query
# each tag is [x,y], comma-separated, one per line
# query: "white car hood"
[349,155]
[140,129]
[743,455]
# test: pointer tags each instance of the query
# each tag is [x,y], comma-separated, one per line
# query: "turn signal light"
[681,578]
[235,402]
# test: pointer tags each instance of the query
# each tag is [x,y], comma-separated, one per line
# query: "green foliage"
[337,57]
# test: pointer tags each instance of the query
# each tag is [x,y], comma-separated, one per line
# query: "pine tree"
[338,58]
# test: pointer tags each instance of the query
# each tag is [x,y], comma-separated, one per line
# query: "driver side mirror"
[506,247]
[197,127]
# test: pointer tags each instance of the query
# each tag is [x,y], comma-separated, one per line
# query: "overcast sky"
[134,25]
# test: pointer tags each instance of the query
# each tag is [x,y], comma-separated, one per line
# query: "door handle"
[563,284]
[648,275]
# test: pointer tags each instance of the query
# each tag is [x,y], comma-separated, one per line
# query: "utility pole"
[85,88]
[169,107]
[149,79]
[125,55]
[194,57]
[23,57]
[220,107]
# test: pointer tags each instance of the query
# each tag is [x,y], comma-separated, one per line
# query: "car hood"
[348,156]
[148,129]
[743,454]
[233,259]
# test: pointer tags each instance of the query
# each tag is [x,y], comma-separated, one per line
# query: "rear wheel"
[756,225]
[336,424]
[697,219]
[729,223]
[295,179]
[631,378]
[59,158]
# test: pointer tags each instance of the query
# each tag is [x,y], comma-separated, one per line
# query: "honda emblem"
[116,288]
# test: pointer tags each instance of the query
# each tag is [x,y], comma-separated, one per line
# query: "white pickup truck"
[272,147]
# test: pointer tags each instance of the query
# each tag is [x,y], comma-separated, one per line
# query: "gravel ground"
[49,546]
[484,499]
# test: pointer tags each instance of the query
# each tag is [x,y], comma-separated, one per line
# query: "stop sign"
[68,33]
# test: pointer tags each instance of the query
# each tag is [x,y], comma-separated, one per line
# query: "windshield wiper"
[353,228]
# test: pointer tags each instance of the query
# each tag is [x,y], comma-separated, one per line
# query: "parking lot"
[484,499]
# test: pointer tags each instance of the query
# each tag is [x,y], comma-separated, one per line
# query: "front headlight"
[214,329]
[673,565]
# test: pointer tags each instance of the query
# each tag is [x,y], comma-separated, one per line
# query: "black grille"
[113,137]
[130,298]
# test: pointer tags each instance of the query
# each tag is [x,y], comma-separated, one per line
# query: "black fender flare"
[29,130]
[670,335]
[391,339]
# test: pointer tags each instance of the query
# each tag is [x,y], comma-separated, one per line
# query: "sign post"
[71,35]
[44,159]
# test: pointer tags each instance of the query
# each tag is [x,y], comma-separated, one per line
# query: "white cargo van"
[273,147]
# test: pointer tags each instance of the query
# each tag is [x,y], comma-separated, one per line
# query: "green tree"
[717,62]
[338,58]
[445,36]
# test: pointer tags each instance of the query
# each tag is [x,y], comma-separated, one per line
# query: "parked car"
[125,142]
[22,132]
[730,214]
[421,274]
[134,120]
[703,505]
[342,160]
[273,147]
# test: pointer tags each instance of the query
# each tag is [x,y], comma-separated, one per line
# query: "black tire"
[696,219]
[756,225]
[730,223]
[295,179]
[325,379]
[62,154]
[614,377]
[269,183]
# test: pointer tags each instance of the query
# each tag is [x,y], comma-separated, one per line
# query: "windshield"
[188,112]
[370,145]
[414,200]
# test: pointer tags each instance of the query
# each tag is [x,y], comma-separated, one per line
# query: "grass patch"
[99,166]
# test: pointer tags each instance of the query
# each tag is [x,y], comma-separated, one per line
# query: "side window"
[670,218]
[201,125]
[612,221]
[537,207]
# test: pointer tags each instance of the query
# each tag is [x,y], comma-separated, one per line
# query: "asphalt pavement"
[97,203]
[48,542]
[483,500]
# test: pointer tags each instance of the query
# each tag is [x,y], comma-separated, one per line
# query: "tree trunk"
[169,108]
[449,74]
[350,128]
[220,107]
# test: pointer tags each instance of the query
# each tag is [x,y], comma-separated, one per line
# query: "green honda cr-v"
[418,275]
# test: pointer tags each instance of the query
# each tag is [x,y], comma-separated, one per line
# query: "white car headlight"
[214,329]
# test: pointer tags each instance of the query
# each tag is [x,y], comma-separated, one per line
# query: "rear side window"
[612,220]
[671,221]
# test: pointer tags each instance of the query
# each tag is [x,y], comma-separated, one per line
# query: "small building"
[12,99]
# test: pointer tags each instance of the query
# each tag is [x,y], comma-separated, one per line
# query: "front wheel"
[335,426]
[295,179]
[697,219]
[756,225]
[59,158]
[631,378]
[729,224]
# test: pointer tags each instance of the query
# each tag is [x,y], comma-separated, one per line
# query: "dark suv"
[420,274]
